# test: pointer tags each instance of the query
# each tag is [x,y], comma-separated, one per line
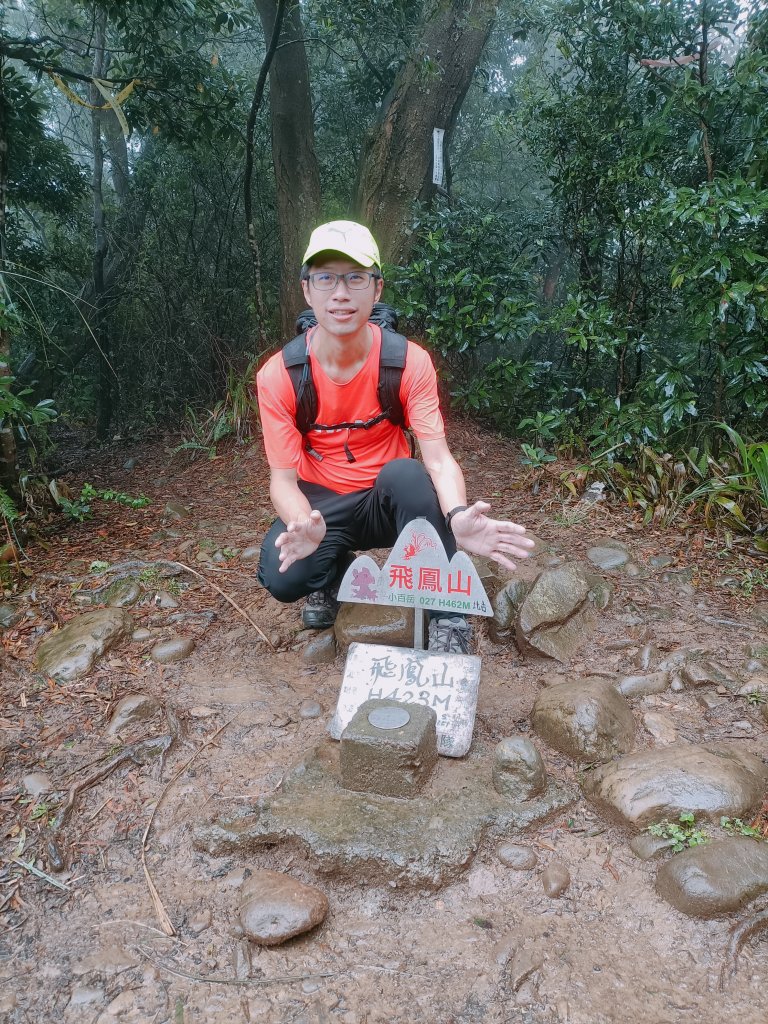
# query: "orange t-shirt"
[339,403]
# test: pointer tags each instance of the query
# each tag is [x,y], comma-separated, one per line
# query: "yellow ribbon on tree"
[113,101]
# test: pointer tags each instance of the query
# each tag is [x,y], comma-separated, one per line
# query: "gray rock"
[321,649]
[608,557]
[250,553]
[176,511]
[374,624]
[83,995]
[492,576]
[165,600]
[9,616]
[506,604]
[643,686]
[142,633]
[760,613]
[518,770]
[310,709]
[123,594]
[200,922]
[756,684]
[276,907]
[555,879]
[646,657]
[709,673]
[600,591]
[557,615]
[176,649]
[136,707]
[521,858]
[661,784]
[717,878]
[586,719]
[37,783]
[660,727]
[661,561]
[759,650]
[632,569]
[71,652]
[648,847]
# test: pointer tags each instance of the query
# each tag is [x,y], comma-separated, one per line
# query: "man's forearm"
[290,503]
[448,481]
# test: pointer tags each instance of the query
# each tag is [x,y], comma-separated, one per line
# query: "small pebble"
[37,783]
[521,858]
[555,879]
[310,709]
[743,725]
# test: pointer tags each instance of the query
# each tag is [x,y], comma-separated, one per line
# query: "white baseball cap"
[345,237]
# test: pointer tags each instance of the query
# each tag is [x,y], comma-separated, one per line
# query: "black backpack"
[394,348]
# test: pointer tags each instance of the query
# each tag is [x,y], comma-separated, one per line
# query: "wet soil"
[489,947]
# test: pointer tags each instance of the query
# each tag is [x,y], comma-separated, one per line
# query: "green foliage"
[736,827]
[8,509]
[231,417]
[80,508]
[682,834]
[534,457]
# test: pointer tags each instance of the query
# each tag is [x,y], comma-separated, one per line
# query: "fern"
[7,508]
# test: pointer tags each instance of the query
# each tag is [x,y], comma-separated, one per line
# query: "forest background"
[591,273]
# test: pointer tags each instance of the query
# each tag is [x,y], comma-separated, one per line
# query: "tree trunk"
[297,173]
[396,162]
[9,473]
[100,245]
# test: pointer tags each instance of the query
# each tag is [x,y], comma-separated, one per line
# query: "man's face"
[341,310]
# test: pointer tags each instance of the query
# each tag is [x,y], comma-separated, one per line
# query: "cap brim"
[352,254]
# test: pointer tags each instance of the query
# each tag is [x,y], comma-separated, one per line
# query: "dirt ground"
[89,946]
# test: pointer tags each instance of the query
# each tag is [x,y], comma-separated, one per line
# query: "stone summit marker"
[417,574]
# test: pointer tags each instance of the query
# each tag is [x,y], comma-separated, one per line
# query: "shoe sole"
[316,620]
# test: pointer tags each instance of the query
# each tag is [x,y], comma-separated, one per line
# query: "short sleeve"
[277,412]
[418,393]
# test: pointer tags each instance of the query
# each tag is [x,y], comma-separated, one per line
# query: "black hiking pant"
[372,518]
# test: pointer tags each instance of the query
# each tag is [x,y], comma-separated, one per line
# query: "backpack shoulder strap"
[394,349]
[297,363]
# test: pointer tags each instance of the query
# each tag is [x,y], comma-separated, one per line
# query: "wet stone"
[310,709]
[555,879]
[643,685]
[716,878]
[168,651]
[661,784]
[521,858]
[585,719]
[506,604]
[136,707]
[123,594]
[321,649]
[648,847]
[37,783]
[608,557]
[276,907]
[557,615]
[518,769]
[140,634]
[709,673]
[391,761]
[71,652]
[374,624]
[660,727]
[165,600]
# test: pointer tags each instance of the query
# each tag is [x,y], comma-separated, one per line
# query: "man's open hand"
[299,539]
[493,538]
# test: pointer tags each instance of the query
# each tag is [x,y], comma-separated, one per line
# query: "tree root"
[740,934]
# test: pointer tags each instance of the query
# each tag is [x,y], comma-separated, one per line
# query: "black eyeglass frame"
[372,275]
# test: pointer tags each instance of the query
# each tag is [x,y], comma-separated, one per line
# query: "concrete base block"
[389,748]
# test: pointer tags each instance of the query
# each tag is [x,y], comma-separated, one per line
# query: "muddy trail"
[111,911]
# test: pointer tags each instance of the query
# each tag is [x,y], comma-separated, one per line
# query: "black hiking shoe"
[449,634]
[321,608]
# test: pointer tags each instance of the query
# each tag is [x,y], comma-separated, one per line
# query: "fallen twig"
[41,874]
[740,933]
[281,979]
[165,921]
[138,753]
[226,597]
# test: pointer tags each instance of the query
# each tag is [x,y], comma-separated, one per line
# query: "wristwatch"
[452,513]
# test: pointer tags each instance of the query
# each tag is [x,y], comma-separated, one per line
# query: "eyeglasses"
[356,280]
